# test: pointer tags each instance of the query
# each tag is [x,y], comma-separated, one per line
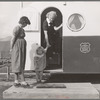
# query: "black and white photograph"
[50,49]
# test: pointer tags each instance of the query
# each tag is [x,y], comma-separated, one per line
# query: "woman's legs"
[22,78]
[16,77]
[16,83]
[23,82]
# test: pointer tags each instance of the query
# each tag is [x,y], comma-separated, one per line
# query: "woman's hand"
[46,49]
[48,45]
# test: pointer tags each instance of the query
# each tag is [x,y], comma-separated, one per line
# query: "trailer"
[78,48]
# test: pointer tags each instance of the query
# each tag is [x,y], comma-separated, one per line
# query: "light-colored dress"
[19,50]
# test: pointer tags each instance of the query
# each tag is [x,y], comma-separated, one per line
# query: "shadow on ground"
[53,78]
[62,78]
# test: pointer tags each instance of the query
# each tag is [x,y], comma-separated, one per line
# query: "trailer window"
[76,22]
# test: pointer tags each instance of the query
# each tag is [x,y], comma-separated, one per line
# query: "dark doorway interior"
[56,61]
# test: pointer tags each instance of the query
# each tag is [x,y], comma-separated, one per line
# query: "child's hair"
[24,20]
[40,51]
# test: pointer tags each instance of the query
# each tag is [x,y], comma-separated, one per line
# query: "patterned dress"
[18,50]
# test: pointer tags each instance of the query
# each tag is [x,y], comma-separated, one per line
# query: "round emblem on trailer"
[85,47]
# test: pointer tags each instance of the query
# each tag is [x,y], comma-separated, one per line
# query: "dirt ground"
[49,78]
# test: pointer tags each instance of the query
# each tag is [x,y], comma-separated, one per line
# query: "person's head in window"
[51,16]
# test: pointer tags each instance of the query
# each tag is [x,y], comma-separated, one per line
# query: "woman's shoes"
[24,85]
[17,84]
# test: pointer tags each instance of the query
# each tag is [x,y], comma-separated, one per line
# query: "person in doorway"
[18,51]
[40,62]
[50,29]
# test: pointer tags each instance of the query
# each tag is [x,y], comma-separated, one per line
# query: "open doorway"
[56,61]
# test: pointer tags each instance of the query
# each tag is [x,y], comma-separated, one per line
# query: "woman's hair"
[24,20]
[51,14]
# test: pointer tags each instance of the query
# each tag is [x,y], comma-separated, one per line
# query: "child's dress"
[40,61]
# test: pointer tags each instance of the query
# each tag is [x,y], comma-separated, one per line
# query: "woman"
[49,29]
[18,48]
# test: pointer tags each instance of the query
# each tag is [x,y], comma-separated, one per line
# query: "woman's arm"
[13,41]
[46,38]
[45,50]
[57,28]
[14,37]
[45,30]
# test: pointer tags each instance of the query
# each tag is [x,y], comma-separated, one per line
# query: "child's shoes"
[39,81]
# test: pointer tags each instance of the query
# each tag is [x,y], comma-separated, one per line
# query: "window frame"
[82,26]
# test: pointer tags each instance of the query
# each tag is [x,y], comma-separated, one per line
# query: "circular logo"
[85,47]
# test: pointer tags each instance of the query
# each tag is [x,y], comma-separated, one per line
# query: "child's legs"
[41,75]
[37,76]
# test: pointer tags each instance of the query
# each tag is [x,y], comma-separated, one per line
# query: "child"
[40,62]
